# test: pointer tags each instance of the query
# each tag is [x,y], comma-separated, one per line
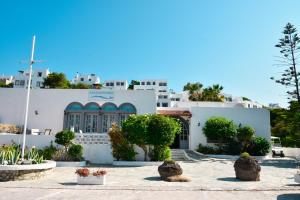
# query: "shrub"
[207,149]
[245,155]
[233,148]
[160,153]
[259,146]
[49,151]
[219,129]
[64,138]
[121,148]
[245,133]
[75,152]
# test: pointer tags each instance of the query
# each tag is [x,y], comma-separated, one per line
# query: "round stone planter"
[25,172]
[70,164]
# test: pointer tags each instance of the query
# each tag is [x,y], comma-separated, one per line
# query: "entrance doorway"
[181,140]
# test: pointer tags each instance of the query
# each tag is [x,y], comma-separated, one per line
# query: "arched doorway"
[181,140]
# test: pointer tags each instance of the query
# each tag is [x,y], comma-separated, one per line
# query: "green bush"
[207,149]
[160,153]
[259,146]
[75,152]
[49,151]
[245,133]
[64,138]
[219,129]
[233,148]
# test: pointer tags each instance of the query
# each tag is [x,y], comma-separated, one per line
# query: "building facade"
[90,113]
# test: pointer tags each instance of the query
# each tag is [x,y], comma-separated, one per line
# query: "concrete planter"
[91,180]
[70,163]
[297,178]
[136,163]
[25,172]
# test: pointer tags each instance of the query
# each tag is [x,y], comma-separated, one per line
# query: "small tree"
[56,80]
[65,138]
[289,48]
[135,129]
[162,131]
[219,129]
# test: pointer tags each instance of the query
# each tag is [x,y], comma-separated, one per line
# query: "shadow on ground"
[280,164]
[153,178]
[69,184]
[229,179]
[288,197]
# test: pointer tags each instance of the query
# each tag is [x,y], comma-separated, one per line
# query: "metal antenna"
[27,98]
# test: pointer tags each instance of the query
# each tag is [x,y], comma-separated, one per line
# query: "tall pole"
[27,98]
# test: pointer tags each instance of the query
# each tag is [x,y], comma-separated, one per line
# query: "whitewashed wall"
[259,119]
[39,141]
[51,103]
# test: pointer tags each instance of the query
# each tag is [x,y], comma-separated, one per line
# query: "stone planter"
[297,178]
[91,180]
[247,169]
[25,172]
[70,163]
[169,169]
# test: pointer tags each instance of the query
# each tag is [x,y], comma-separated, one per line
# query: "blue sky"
[212,41]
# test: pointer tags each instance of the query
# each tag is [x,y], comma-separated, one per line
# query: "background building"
[90,79]
[115,84]
[37,78]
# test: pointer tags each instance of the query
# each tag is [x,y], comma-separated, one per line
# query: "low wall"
[25,172]
[39,141]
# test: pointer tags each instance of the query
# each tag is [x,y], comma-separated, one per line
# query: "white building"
[115,84]
[161,90]
[37,78]
[6,79]
[90,114]
[90,79]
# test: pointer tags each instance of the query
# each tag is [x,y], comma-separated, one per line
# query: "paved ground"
[58,194]
[211,179]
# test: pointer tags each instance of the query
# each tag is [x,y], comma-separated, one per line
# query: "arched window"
[73,116]
[109,107]
[75,106]
[110,115]
[91,117]
[127,108]
[92,107]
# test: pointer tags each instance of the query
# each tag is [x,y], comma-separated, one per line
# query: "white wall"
[39,141]
[51,103]
[259,119]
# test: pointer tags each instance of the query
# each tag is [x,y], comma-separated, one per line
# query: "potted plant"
[84,177]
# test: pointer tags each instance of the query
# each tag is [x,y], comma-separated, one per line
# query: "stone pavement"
[211,179]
